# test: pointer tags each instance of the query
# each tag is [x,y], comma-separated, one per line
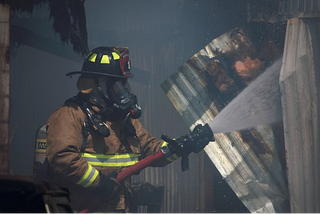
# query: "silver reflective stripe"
[111,213]
[75,212]
[89,176]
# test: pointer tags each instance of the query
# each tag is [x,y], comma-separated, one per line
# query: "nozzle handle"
[185,162]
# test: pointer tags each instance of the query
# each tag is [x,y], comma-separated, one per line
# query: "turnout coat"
[80,170]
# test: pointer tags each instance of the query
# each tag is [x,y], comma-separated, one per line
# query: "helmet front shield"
[125,64]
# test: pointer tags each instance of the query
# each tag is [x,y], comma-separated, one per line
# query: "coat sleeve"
[64,141]
[151,145]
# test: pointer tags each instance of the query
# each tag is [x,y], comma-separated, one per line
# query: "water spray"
[258,104]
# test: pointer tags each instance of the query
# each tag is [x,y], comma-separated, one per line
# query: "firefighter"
[96,134]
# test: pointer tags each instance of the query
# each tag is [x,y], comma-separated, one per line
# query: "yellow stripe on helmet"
[115,55]
[105,59]
[92,57]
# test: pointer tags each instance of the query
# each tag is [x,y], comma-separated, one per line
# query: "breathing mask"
[114,95]
[123,100]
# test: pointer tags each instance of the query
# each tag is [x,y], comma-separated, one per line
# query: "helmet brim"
[92,73]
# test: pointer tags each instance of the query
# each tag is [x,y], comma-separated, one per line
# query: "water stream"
[258,104]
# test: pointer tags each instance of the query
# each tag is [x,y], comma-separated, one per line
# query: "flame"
[245,69]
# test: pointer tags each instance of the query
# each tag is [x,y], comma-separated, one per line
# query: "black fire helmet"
[106,61]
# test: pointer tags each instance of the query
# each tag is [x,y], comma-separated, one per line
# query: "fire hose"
[194,141]
[183,146]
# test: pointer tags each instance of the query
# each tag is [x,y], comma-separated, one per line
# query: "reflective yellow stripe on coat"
[172,157]
[89,176]
[111,213]
[76,212]
[118,160]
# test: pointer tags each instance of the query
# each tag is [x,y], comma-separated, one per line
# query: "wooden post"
[4,87]
[299,83]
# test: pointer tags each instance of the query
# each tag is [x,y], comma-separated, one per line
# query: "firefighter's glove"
[195,141]
[109,184]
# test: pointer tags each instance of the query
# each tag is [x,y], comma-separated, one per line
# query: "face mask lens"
[124,101]
[120,90]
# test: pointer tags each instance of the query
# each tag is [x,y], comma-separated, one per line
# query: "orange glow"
[245,68]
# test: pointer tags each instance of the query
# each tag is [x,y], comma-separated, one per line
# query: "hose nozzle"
[194,141]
